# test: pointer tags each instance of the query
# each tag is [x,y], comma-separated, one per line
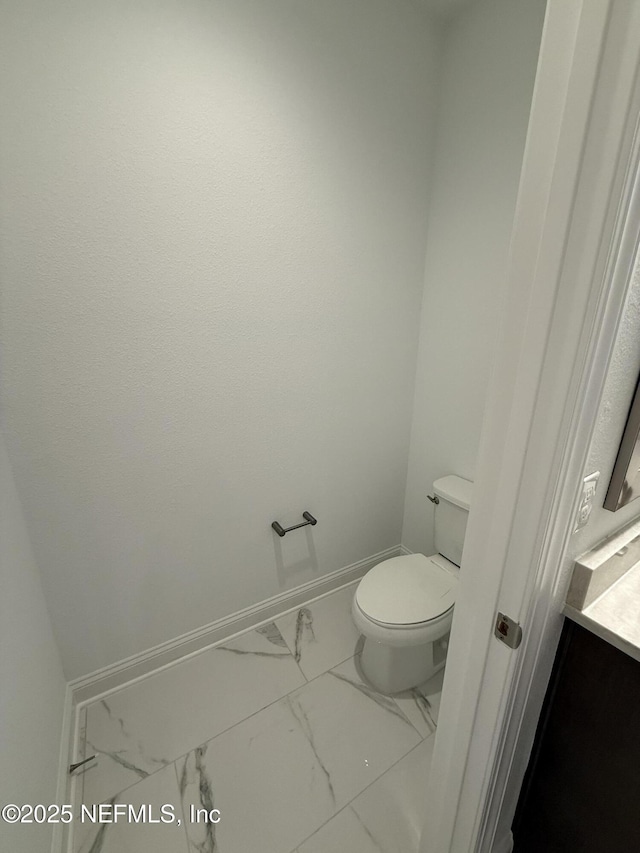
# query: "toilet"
[404,605]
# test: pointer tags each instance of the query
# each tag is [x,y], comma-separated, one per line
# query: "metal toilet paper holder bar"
[280,530]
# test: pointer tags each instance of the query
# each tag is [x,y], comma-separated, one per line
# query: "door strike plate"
[508,631]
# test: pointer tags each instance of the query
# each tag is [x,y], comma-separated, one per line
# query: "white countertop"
[615,614]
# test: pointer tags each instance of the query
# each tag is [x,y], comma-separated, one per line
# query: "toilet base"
[392,669]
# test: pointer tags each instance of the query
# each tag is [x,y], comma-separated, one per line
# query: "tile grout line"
[373,781]
[209,647]
[85,707]
[224,731]
[244,719]
[87,703]
[336,665]
[83,714]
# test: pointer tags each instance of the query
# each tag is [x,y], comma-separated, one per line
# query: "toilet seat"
[408,592]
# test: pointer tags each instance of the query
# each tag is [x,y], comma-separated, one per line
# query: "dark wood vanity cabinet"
[581,793]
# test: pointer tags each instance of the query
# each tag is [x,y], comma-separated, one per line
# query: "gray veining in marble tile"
[424,708]
[240,766]
[126,765]
[321,634]
[301,718]
[385,702]
[304,631]
[326,741]
[367,831]
[271,632]
[124,836]
[147,725]
[98,842]
[255,654]
[422,704]
[386,817]
[201,835]
[336,744]
[118,758]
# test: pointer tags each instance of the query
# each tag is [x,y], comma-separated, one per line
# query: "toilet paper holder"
[280,530]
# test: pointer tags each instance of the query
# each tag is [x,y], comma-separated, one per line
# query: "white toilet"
[404,606]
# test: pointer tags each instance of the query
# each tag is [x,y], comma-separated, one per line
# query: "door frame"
[574,240]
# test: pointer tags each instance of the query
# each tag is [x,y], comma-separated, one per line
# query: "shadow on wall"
[292,568]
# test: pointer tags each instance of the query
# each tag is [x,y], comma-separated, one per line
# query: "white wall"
[490,57]
[622,377]
[32,686]
[213,230]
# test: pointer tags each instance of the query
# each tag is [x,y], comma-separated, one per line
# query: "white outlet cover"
[589,485]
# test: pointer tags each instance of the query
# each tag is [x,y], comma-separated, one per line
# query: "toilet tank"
[452,511]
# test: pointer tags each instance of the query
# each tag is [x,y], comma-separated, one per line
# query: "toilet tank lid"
[455,490]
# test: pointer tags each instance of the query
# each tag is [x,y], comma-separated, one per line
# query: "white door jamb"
[564,304]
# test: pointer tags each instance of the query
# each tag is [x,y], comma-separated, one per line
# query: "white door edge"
[541,601]
[504,844]
[562,314]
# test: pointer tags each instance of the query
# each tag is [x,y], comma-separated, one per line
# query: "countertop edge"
[601,630]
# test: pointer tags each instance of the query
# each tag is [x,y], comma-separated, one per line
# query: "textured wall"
[213,223]
[33,686]
[620,384]
[489,65]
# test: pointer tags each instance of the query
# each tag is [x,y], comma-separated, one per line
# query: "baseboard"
[113,677]
[504,844]
[67,742]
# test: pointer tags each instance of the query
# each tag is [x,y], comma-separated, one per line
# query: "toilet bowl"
[404,609]
[404,606]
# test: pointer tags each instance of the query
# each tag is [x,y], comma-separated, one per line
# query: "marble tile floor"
[278,730]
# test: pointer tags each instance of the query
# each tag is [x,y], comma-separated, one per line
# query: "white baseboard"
[67,743]
[113,677]
[504,844]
